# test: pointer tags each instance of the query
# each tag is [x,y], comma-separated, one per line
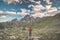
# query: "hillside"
[47,28]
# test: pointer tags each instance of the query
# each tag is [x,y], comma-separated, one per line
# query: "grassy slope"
[46,29]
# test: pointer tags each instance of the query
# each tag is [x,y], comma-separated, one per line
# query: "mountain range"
[27,21]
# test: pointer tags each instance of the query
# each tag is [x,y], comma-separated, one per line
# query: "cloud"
[1,11]
[8,1]
[42,11]
[48,6]
[39,10]
[19,1]
[52,9]
[48,1]
[11,1]
[23,12]
[41,15]
[29,6]
[31,0]
[9,12]
[16,0]
[3,16]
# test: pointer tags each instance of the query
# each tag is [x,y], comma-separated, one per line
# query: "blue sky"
[12,8]
[15,6]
